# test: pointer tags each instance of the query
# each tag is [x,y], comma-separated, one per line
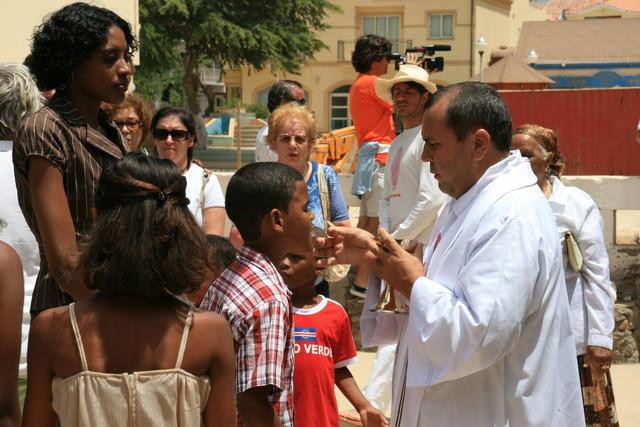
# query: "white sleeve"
[429,200]
[454,334]
[383,213]
[598,291]
[213,197]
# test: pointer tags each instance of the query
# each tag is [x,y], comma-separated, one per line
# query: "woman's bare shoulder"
[210,327]
[50,323]
[209,320]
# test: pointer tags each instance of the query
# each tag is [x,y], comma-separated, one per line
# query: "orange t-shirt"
[371,115]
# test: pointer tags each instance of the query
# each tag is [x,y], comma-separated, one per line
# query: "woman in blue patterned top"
[292,134]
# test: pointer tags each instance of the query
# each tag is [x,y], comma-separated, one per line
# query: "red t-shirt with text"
[323,343]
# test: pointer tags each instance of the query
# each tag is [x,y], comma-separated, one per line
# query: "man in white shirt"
[411,197]
[282,92]
[487,340]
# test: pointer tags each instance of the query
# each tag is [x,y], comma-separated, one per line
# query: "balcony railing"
[210,75]
[345,47]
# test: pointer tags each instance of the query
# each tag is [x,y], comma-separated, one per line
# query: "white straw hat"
[406,73]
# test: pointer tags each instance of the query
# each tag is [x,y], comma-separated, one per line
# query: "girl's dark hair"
[187,120]
[548,140]
[369,48]
[146,241]
[68,37]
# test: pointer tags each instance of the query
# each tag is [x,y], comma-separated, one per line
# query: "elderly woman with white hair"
[19,97]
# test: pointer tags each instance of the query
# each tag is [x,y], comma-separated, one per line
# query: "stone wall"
[625,335]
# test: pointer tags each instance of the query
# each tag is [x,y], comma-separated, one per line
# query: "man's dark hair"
[67,38]
[254,190]
[474,106]
[221,252]
[369,48]
[187,120]
[281,92]
[146,241]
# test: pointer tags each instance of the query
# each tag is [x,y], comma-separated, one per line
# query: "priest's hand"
[397,267]
[345,245]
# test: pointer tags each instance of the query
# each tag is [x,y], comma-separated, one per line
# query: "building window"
[263,96]
[339,105]
[441,26]
[384,26]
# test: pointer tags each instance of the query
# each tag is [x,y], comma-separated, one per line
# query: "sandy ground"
[626,388]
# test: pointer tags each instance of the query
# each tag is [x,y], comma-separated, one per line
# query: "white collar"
[461,203]
[313,310]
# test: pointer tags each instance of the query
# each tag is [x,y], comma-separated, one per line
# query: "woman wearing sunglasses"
[174,138]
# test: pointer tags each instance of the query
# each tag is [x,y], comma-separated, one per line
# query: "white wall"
[18,20]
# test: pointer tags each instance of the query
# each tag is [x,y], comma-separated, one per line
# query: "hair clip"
[161,196]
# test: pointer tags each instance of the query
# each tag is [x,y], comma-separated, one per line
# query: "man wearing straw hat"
[410,203]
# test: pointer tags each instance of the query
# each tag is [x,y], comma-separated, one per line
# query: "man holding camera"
[375,130]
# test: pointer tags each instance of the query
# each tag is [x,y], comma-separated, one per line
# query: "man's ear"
[481,144]
[276,219]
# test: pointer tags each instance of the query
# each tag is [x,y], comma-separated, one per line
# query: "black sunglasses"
[176,134]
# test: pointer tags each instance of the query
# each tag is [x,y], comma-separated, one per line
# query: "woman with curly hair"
[132,353]
[84,53]
[586,270]
[133,118]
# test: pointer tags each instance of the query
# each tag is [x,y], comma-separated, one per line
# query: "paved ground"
[626,387]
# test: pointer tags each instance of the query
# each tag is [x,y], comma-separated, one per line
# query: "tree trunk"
[191,84]
[211,99]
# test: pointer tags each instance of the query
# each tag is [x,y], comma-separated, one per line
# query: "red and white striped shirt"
[253,298]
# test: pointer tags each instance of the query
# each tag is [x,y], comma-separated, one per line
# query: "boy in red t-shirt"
[323,348]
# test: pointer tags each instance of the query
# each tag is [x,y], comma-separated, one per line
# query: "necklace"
[547,191]
[306,170]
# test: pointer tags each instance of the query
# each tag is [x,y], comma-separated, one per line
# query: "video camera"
[429,64]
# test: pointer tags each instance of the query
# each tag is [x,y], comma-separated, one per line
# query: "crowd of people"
[485,279]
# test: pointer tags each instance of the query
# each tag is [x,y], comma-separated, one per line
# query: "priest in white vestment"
[487,340]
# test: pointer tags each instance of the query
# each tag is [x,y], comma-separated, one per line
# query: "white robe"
[487,341]
[591,293]
[411,198]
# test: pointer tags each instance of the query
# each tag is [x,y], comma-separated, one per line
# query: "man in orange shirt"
[373,121]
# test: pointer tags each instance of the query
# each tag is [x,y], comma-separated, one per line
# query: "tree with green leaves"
[185,34]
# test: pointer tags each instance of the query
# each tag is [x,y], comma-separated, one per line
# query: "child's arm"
[256,410]
[370,416]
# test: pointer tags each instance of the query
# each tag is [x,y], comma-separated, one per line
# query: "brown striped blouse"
[59,134]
